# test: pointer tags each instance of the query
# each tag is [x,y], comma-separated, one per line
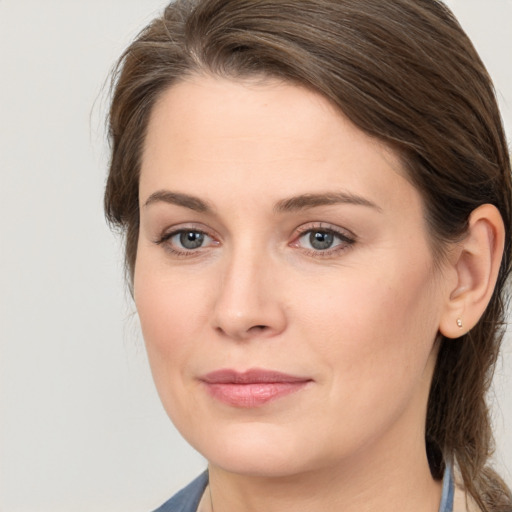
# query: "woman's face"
[284,281]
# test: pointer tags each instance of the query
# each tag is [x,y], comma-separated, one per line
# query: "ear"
[475,263]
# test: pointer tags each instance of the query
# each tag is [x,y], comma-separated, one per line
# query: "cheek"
[165,299]
[170,308]
[376,332]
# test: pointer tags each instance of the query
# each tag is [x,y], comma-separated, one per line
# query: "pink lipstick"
[252,388]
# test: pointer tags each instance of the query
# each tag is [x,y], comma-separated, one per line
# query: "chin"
[252,449]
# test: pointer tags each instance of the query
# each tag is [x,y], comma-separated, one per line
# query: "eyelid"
[347,237]
[167,234]
[324,226]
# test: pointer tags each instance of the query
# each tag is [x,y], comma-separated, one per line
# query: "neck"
[398,482]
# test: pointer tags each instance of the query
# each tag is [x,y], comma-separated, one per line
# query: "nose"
[249,302]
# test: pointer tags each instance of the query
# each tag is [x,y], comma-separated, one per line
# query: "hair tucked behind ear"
[402,71]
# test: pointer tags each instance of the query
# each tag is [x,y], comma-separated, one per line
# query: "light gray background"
[81,427]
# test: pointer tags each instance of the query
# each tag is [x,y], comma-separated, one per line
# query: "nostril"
[258,328]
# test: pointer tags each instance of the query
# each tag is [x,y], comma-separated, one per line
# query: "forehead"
[262,136]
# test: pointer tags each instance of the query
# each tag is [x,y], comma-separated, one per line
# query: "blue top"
[187,500]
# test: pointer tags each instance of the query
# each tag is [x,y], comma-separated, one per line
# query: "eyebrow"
[179,199]
[292,204]
[306,201]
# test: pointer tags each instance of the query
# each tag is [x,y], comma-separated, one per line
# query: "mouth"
[252,388]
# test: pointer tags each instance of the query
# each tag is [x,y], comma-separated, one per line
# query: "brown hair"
[401,70]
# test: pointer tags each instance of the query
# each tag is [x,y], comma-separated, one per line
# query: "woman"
[316,201]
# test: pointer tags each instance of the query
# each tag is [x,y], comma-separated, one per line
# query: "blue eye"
[189,239]
[323,240]
[185,241]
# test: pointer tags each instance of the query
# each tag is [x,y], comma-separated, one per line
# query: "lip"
[251,388]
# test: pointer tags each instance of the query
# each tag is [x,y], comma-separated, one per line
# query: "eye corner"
[186,241]
[323,240]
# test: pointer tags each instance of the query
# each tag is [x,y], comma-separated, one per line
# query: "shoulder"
[186,500]
[462,502]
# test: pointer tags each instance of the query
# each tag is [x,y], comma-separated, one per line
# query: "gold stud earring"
[459,323]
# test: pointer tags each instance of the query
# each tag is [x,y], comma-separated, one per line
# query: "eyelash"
[345,238]
[345,241]
[165,240]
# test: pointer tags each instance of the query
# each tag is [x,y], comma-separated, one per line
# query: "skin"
[359,320]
